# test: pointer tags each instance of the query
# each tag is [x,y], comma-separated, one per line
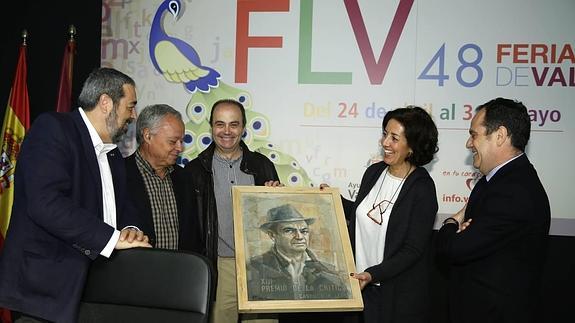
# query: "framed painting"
[293,252]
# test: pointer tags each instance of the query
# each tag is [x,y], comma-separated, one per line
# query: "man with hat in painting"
[290,270]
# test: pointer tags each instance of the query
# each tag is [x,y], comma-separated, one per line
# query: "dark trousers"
[372,308]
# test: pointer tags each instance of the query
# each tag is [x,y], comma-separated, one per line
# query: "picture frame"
[293,252]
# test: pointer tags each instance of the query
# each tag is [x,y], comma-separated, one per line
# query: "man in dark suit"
[158,186]
[69,199]
[495,246]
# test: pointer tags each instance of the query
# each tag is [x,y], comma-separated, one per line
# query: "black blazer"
[189,235]
[495,264]
[404,271]
[56,226]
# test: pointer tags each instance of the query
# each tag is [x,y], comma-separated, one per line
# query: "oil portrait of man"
[290,270]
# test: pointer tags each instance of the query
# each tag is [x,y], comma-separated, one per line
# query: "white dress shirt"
[109,200]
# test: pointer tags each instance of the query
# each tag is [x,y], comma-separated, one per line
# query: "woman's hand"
[364,278]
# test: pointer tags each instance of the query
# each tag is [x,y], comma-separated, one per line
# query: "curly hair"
[420,131]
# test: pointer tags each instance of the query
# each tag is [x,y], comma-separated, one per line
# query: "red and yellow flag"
[64,102]
[16,122]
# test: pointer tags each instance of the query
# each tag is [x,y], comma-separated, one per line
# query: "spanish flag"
[16,122]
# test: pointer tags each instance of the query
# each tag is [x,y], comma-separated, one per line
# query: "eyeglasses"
[376,213]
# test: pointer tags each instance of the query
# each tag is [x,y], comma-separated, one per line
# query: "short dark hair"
[150,118]
[420,131]
[103,80]
[232,102]
[512,115]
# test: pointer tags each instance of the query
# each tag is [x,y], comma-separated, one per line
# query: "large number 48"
[441,76]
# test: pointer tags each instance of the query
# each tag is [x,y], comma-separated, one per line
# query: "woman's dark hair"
[420,131]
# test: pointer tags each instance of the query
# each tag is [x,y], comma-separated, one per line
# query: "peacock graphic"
[179,62]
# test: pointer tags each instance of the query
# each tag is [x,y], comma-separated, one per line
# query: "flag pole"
[24,36]
[72,32]
[64,101]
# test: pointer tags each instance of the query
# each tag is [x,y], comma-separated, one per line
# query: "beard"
[116,132]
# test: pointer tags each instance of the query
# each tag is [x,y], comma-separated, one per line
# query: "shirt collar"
[99,145]
[148,168]
[494,170]
[228,161]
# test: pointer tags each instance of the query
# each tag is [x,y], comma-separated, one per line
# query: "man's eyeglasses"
[376,212]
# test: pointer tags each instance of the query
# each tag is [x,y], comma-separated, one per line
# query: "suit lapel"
[482,186]
[88,147]
[478,191]
[118,171]
[518,162]
[138,190]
